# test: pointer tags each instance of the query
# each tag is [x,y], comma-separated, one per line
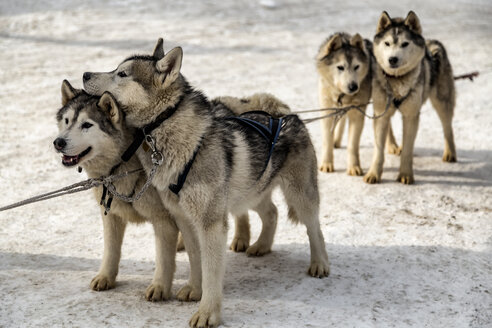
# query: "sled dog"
[93,134]
[344,66]
[409,70]
[226,164]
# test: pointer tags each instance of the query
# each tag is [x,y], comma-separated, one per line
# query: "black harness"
[270,132]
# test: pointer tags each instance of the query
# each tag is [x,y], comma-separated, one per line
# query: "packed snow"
[401,256]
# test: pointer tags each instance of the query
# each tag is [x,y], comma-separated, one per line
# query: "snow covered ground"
[401,256]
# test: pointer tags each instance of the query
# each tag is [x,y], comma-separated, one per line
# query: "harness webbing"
[270,132]
[176,188]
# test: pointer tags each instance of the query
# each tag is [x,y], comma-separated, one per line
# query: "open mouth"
[74,160]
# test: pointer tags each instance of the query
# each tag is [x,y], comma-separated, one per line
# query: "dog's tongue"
[70,160]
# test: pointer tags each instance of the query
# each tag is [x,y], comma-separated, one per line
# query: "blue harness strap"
[270,132]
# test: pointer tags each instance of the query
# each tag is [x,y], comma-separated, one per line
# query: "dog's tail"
[258,101]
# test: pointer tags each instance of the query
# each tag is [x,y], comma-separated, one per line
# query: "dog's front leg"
[327,153]
[410,127]
[114,230]
[213,239]
[166,234]
[192,291]
[356,125]
[381,126]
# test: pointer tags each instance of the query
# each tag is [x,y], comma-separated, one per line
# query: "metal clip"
[156,157]
[151,142]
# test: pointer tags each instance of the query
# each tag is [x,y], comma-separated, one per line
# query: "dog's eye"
[122,74]
[340,68]
[66,121]
[356,67]
[387,43]
[404,44]
[86,125]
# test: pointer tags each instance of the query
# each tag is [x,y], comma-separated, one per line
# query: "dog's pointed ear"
[68,92]
[358,42]
[384,22]
[169,66]
[413,22]
[107,103]
[333,44]
[159,49]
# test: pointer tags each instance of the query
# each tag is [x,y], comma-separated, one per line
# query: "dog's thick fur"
[410,70]
[228,174]
[344,67]
[87,121]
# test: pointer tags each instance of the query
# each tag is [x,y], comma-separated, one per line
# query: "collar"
[144,131]
[392,76]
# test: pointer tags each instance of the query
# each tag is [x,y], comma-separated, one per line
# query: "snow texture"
[401,256]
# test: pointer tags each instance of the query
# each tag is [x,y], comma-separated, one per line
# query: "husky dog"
[344,66]
[409,71]
[93,134]
[226,106]
[228,164]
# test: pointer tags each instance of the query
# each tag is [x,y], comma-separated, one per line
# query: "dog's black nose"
[393,60]
[59,143]
[86,76]
[353,87]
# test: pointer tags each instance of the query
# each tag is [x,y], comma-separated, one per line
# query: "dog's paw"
[355,170]
[449,157]
[371,178]
[156,292]
[393,149]
[258,249]
[189,294]
[180,246]
[205,319]
[405,178]
[319,269]
[239,244]
[102,282]
[327,167]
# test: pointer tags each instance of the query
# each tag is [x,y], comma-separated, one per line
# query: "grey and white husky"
[409,71]
[344,65]
[93,134]
[232,167]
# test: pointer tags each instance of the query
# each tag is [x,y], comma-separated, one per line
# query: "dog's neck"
[179,136]
[400,85]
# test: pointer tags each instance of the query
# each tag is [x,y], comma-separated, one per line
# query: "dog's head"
[344,62]
[398,44]
[90,128]
[141,84]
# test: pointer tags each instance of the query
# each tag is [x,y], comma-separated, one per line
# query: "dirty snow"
[401,256]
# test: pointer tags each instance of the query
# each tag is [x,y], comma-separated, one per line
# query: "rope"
[74,188]
[338,112]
